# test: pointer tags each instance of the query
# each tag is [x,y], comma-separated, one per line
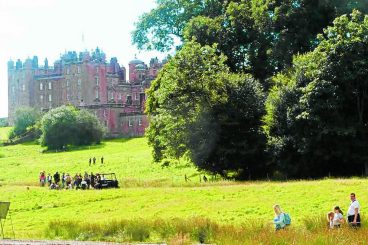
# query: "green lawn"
[152,192]
[4,132]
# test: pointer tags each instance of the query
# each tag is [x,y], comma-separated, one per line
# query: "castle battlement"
[87,80]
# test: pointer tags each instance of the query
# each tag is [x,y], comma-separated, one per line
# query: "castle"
[87,81]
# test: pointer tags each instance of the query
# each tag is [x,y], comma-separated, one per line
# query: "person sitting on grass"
[279,220]
[54,186]
[84,184]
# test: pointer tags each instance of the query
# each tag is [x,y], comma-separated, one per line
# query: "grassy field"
[4,132]
[151,196]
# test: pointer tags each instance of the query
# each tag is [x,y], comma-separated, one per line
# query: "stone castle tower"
[85,80]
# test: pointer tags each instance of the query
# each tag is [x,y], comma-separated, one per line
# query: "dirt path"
[34,242]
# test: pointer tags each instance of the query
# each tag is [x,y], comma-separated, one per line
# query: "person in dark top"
[102,159]
[90,161]
[57,178]
[98,181]
[94,160]
[93,178]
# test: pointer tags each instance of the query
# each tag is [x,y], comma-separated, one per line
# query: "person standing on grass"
[279,220]
[57,178]
[42,178]
[102,159]
[90,161]
[336,218]
[49,179]
[63,180]
[354,212]
[94,160]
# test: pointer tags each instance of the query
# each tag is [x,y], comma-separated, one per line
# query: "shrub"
[66,125]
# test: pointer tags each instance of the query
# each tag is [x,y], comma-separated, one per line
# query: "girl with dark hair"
[338,218]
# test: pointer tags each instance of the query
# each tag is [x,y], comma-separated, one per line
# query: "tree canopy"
[317,112]
[258,37]
[308,57]
[194,111]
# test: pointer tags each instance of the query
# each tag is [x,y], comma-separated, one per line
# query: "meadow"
[156,204]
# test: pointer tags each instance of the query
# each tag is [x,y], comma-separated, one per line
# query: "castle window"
[140,121]
[23,87]
[136,96]
[129,100]
[50,98]
[41,98]
[67,71]
[130,123]
[78,69]
[97,94]
[50,85]
[120,96]
[41,86]
[79,82]
[67,82]
[97,79]
[97,69]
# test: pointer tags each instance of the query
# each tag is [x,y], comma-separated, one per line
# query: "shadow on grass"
[32,142]
[122,140]
[71,148]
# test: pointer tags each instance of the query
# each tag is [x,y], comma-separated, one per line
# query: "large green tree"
[317,112]
[200,110]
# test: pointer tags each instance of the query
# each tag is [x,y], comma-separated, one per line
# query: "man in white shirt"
[354,212]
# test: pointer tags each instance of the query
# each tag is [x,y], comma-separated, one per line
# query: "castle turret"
[35,62]
[133,76]
[18,64]
[10,64]
[46,62]
[27,64]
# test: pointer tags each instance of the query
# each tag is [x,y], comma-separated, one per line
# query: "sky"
[48,28]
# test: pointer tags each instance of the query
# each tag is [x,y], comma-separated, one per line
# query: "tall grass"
[202,230]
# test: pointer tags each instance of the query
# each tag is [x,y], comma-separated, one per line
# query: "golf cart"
[108,181]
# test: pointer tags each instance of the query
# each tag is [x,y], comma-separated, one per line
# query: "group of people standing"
[335,218]
[93,160]
[66,181]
